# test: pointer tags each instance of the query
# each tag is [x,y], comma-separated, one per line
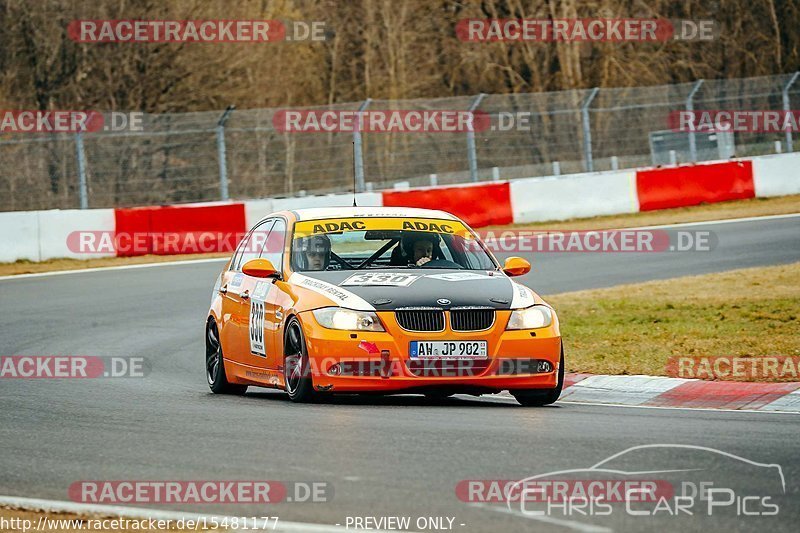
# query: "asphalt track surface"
[383,456]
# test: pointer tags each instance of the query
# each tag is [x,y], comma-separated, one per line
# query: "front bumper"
[346,361]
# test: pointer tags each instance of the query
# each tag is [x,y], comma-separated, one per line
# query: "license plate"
[449,349]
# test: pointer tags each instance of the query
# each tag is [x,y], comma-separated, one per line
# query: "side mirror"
[516,266]
[260,268]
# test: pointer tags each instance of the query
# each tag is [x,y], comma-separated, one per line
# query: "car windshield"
[386,242]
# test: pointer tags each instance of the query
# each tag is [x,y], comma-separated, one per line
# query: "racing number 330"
[380,278]
[257,328]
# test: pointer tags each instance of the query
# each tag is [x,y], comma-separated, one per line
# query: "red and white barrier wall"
[480,204]
[574,196]
[40,235]
[158,224]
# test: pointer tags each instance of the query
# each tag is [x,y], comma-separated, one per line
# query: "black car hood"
[427,288]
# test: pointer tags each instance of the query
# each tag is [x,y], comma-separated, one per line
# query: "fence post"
[223,164]
[690,108]
[81,156]
[587,131]
[786,108]
[358,153]
[472,155]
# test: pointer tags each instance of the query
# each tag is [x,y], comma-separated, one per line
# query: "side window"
[478,259]
[238,254]
[276,244]
[253,243]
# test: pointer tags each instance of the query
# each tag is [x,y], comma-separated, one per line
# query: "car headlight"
[347,319]
[538,316]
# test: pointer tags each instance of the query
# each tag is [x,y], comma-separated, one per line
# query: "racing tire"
[539,397]
[215,368]
[296,373]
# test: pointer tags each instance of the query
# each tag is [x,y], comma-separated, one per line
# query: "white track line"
[119,267]
[720,221]
[83,509]
[500,238]
[499,233]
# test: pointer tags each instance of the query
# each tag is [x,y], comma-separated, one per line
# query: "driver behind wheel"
[418,247]
[316,252]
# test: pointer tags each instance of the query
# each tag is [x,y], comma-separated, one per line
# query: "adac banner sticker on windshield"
[341,225]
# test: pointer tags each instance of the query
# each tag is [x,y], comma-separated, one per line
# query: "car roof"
[318,213]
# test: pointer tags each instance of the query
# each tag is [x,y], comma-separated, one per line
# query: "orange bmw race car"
[349,300]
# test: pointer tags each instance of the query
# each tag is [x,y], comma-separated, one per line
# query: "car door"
[237,307]
[230,287]
[270,298]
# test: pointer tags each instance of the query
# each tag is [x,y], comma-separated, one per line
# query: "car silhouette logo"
[443,301]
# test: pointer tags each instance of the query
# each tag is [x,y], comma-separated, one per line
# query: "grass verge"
[635,329]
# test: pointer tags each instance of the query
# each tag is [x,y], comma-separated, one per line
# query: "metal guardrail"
[190,157]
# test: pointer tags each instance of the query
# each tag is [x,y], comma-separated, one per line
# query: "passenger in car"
[415,248]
